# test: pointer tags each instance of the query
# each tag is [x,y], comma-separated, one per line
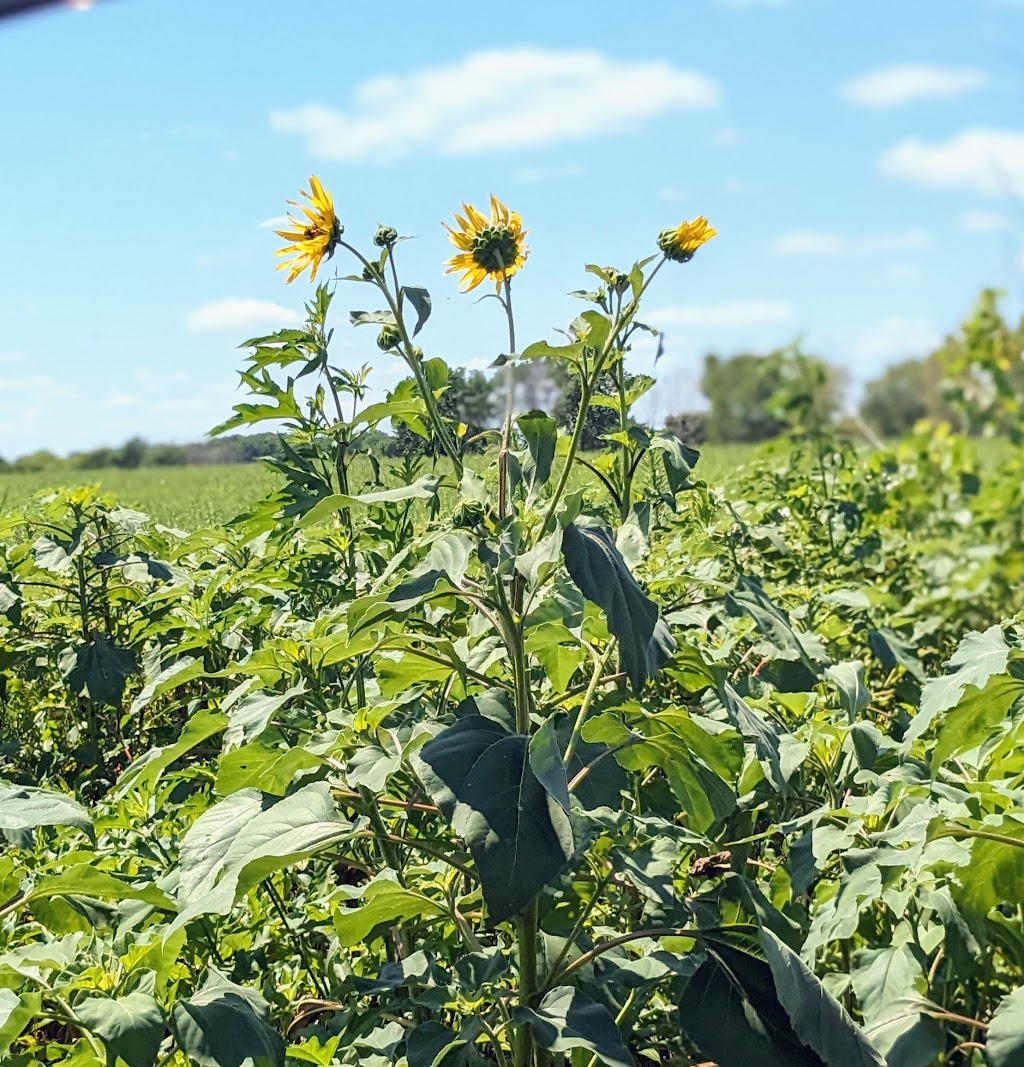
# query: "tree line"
[974,382]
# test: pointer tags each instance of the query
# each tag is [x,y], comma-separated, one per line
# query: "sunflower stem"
[510,389]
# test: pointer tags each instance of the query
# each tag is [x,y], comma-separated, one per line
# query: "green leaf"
[97,669]
[268,768]
[601,574]
[252,714]
[434,1045]
[16,1012]
[371,766]
[678,460]
[146,770]
[541,434]
[383,901]
[567,1019]
[996,871]
[224,1025]
[238,842]
[178,673]
[848,678]
[977,658]
[1004,1041]
[479,775]
[976,714]
[131,1027]
[422,489]
[420,300]
[765,736]
[24,807]
[818,1019]
[361,318]
[84,880]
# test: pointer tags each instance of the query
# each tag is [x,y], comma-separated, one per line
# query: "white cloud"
[818,243]
[983,222]
[275,222]
[980,159]
[902,272]
[725,136]
[903,84]
[897,337]
[494,100]
[239,314]
[735,313]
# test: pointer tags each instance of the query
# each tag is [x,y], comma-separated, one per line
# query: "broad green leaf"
[24,807]
[237,843]
[848,678]
[601,574]
[268,768]
[996,871]
[1004,1041]
[479,775]
[224,1025]
[383,901]
[252,714]
[976,714]
[371,766]
[422,489]
[566,1019]
[540,432]
[977,658]
[16,1012]
[84,880]
[131,1027]
[146,770]
[881,976]
[678,460]
[818,1019]
[178,673]
[434,1045]
[757,728]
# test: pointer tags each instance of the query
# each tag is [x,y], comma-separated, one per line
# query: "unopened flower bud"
[388,338]
[371,272]
[617,281]
[385,236]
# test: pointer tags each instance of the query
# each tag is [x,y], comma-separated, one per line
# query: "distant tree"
[688,426]
[43,460]
[755,398]
[469,398]
[131,454]
[902,395]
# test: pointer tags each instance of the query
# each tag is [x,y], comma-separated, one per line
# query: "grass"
[191,498]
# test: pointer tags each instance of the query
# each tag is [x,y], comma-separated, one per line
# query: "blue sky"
[863,164]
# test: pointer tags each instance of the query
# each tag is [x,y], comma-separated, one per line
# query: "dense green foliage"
[526,758]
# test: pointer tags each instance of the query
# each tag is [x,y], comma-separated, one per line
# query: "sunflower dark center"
[495,249]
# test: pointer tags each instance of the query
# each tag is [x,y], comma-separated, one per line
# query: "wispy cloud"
[275,222]
[903,84]
[238,314]
[981,159]
[496,100]
[982,222]
[898,337]
[729,313]
[827,243]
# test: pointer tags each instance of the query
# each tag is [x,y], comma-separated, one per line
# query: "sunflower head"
[680,243]
[492,247]
[313,238]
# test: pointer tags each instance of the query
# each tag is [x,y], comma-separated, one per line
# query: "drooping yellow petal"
[488,247]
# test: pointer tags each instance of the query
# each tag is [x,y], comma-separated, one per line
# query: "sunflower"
[313,238]
[680,244]
[488,247]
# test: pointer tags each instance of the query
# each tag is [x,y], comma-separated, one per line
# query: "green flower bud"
[617,281]
[388,338]
[385,236]
[371,272]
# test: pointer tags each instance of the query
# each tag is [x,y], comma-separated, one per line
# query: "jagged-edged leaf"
[893,650]
[479,775]
[599,571]
[224,1025]
[97,669]
[977,658]
[566,1019]
[24,807]
[131,1027]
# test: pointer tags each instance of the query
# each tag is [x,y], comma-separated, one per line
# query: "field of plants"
[534,758]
